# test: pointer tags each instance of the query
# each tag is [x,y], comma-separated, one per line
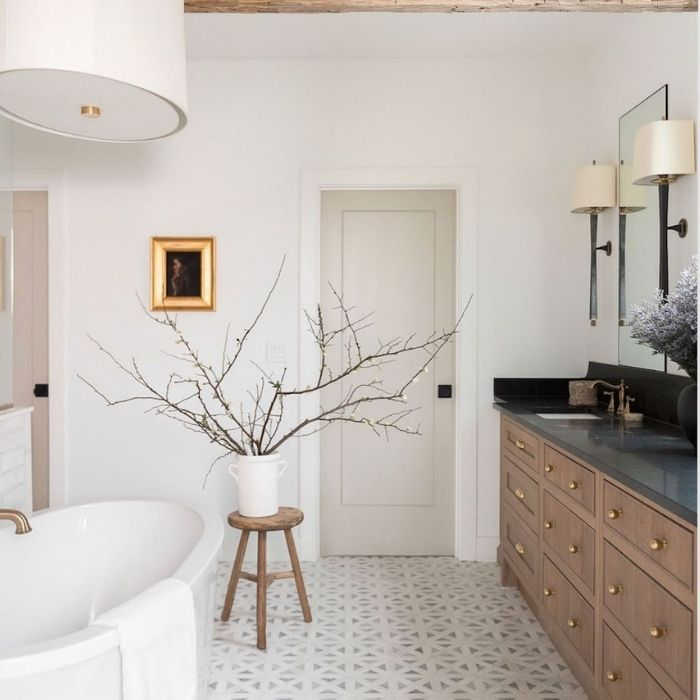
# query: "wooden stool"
[286,519]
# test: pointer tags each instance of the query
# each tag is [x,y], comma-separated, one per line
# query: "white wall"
[655,50]
[235,173]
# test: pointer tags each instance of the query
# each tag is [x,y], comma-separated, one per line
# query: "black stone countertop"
[652,458]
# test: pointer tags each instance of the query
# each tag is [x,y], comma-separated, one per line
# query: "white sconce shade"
[103,70]
[632,197]
[595,189]
[663,151]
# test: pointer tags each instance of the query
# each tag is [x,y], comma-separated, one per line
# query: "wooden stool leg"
[235,575]
[298,578]
[262,590]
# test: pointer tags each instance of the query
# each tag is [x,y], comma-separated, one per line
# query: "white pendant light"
[103,70]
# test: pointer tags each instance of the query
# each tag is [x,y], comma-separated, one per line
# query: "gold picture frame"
[183,274]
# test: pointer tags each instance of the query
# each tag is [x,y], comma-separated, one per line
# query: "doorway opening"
[30,327]
[463,183]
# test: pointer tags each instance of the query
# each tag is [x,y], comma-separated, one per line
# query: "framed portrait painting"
[182,274]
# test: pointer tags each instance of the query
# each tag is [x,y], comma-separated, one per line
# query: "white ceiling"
[401,35]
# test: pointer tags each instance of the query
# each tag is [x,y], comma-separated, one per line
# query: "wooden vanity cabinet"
[610,575]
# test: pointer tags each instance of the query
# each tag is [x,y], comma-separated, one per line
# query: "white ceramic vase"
[258,478]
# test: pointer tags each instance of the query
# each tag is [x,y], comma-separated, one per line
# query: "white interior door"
[391,252]
[30,326]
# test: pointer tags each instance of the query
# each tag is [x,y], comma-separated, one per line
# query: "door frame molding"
[53,182]
[464,182]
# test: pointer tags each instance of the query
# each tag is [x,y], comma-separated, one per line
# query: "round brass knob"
[572,622]
[657,545]
[549,468]
[548,524]
[614,588]
[613,676]
[519,493]
[573,548]
[548,592]
[657,632]
[520,549]
[520,444]
[573,485]
[614,513]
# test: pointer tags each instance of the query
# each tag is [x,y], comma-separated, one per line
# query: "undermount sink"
[567,416]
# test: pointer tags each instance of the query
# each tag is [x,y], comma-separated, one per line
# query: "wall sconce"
[632,198]
[594,191]
[663,151]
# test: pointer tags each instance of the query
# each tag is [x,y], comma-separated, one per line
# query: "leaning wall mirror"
[638,232]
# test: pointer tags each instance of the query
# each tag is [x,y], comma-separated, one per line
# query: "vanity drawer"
[572,478]
[659,538]
[520,443]
[521,493]
[521,546]
[624,678]
[658,621]
[572,614]
[571,539]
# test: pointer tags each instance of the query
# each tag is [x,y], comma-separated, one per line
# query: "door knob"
[444,391]
[41,390]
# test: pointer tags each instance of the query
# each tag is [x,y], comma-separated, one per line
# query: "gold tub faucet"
[22,526]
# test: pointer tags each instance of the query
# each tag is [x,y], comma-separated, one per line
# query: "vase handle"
[231,468]
[283,466]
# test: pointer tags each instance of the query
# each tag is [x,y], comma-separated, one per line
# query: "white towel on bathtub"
[157,638]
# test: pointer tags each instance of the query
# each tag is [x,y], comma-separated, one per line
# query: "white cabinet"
[16,459]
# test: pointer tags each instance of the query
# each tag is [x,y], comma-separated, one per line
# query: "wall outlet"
[275,351]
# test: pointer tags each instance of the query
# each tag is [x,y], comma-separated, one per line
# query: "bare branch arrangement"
[194,395]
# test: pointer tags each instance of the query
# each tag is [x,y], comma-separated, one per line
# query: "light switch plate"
[275,351]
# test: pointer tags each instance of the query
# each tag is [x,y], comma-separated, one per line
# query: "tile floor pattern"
[421,628]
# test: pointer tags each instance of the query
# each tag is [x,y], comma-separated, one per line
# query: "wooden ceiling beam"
[322,6]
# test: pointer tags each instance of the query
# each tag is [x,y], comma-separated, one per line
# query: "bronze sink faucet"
[22,526]
[620,388]
[621,398]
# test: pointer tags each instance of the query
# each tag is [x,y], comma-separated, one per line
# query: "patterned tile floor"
[420,628]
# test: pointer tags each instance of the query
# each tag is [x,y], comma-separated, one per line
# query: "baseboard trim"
[486,548]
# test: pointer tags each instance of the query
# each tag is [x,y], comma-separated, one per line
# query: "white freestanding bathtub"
[79,562]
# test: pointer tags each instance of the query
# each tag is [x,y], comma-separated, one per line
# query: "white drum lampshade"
[595,189]
[103,70]
[663,151]
[632,197]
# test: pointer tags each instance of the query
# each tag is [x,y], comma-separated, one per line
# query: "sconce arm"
[681,228]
